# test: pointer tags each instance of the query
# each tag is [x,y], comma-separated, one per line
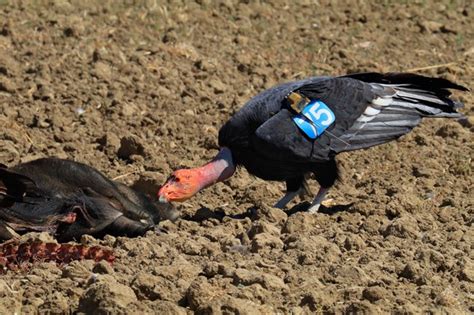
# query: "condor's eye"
[172,178]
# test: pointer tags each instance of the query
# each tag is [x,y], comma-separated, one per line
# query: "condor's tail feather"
[425,102]
[402,100]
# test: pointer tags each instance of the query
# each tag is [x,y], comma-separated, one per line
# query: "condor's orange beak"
[185,183]
[180,186]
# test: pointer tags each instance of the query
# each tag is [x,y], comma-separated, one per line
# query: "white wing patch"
[371,111]
[374,109]
[382,101]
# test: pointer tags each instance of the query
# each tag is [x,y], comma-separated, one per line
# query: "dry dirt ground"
[82,79]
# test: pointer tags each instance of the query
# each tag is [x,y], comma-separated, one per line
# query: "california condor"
[299,127]
[70,199]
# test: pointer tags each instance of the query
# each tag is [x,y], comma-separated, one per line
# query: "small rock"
[129,109]
[203,298]
[189,112]
[218,86]
[242,40]
[163,91]
[102,71]
[36,302]
[204,65]
[420,171]
[430,26]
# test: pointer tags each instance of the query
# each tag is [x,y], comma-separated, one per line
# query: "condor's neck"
[218,170]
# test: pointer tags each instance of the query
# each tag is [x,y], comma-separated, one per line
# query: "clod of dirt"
[130,145]
[446,298]
[106,296]
[166,307]
[103,267]
[430,26]
[354,242]
[109,143]
[5,289]
[148,286]
[300,223]
[129,109]
[374,294]
[270,214]
[206,299]
[404,227]
[77,271]
[9,153]
[7,85]
[102,71]
[263,227]
[44,93]
[266,241]
[56,303]
[218,86]
[414,273]
[467,272]
[268,281]
[149,183]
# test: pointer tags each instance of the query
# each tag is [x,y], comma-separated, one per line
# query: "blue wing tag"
[314,118]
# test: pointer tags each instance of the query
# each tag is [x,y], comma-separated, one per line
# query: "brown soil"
[139,90]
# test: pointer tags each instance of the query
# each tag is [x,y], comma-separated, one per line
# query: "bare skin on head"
[185,183]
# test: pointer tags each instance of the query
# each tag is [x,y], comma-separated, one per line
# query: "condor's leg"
[326,174]
[294,187]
